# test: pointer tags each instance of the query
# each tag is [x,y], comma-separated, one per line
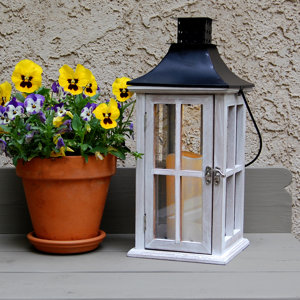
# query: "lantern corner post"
[140,173]
[218,226]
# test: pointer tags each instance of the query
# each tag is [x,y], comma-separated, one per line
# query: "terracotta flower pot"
[66,198]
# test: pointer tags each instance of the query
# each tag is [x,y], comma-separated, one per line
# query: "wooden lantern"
[191,129]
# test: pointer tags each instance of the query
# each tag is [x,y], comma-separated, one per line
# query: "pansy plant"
[91,86]
[87,111]
[59,109]
[66,119]
[107,114]
[14,108]
[5,92]
[3,116]
[71,81]
[120,89]
[3,146]
[34,103]
[27,76]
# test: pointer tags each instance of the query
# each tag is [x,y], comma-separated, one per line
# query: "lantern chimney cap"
[192,62]
[194,31]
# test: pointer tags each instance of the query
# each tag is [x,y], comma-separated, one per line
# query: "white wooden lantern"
[191,129]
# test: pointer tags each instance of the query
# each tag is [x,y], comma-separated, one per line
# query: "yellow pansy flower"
[60,145]
[91,87]
[71,81]
[27,76]
[99,156]
[5,92]
[120,89]
[88,127]
[69,114]
[60,153]
[107,114]
[57,121]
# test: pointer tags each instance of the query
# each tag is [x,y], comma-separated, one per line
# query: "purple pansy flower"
[28,127]
[3,116]
[55,87]
[42,117]
[59,109]
[66,127]
[131,128]
[87,112]
[34,103]
[2,146]
[60,143]
[29,136]
[14,108]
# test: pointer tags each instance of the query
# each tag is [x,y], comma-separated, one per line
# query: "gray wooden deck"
[268,269]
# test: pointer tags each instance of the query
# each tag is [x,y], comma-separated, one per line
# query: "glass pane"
[191,136]
[164,187]
[231,127]
[239,134]
[229,207]
[238,200]
[191,206]
[164,134]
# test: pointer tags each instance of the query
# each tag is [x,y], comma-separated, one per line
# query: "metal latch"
[217,175]
[208,175]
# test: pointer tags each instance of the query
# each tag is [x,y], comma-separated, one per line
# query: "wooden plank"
[268,269]
[14,216]
[267,203]
[149,286]
[119,212]
[266,253]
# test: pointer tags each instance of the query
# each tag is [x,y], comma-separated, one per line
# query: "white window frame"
[151,242]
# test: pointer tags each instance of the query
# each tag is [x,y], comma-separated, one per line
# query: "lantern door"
[178,156]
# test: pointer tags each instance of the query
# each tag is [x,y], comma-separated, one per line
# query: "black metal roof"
[192,62]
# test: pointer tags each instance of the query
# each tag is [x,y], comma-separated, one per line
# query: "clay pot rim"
[66,168]
[60,158]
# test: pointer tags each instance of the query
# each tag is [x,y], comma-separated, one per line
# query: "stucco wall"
[258,40]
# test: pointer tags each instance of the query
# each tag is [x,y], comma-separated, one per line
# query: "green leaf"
[15,160]
[84,147]
[86,157]
[101,149]
[43,91]
[76,123]
[95,97]
[137,155]
[80,101]
[20,97]
[119,138]
[5,128]
[118,154]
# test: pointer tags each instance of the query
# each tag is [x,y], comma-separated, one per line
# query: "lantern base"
[223,259]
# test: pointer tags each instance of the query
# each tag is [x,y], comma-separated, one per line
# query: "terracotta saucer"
[66,247]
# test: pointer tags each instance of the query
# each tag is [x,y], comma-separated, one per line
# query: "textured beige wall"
[259,41]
